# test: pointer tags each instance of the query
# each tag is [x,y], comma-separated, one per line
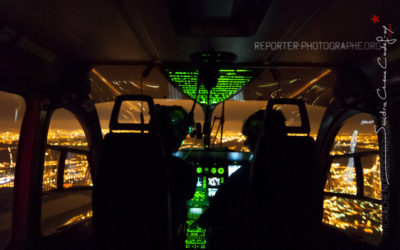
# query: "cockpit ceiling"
[314,85]
[106,31]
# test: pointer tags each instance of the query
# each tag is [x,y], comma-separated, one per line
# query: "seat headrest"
[305,123]
[115,125]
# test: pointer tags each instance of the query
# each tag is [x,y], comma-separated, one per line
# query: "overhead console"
[212,77]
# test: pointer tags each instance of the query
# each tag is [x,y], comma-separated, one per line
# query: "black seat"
[285,201]
[304,172]
[131,208]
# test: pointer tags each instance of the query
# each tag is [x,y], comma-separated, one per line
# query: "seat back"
[305,122]
[131,207]
[304,172]
[284,190]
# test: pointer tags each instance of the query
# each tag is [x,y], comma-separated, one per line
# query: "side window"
[66,196]
[12,108]
[352,200]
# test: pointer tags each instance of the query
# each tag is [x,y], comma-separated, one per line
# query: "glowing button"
[199,170]
[213,170]
[221,170]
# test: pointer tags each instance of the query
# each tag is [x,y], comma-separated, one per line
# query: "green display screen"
[195,235]
[230,81]
[209,179]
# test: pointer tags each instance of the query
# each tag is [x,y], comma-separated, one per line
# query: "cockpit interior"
[171,124]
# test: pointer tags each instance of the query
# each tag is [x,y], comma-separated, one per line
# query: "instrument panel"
[213,168]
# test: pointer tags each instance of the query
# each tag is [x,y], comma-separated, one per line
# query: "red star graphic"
[375,18]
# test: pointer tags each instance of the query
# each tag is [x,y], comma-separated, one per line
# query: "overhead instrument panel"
[216,87]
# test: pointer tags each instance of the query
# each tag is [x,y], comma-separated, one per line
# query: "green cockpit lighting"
[230,81]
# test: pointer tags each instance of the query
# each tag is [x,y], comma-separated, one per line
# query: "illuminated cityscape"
[67,138]
[76,171]
[233,141]
[365,142]
[50,170]
[8,153]
[357,217]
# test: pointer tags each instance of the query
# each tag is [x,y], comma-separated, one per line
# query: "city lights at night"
[358,217]
[76,166]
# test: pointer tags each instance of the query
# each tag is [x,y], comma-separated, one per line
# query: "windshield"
[236,112]
[173,85]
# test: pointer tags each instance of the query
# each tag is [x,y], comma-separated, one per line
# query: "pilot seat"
[131,198]
[284,208]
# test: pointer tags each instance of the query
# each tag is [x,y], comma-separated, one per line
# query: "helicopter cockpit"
[85,86]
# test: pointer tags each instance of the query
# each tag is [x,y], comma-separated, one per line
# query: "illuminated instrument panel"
[213,168]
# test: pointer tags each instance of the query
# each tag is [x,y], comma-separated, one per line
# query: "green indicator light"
[206,170]
[221,171]
[213,170]
[215,164]
[243,70]
[199,170]
[222,180]
[235,162]
[204,182]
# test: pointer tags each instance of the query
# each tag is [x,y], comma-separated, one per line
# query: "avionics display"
[199,182]
[195,235]
[210,177]
[212,192]
[232,169]
[214,181]
[196,210]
